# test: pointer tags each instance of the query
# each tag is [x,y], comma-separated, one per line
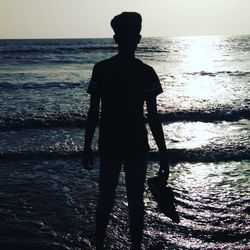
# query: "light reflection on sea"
[50,204]
[202,141]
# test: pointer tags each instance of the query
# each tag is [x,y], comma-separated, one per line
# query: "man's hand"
[87,159]
[164,166]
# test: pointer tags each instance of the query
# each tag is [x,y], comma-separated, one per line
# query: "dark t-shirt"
[123,87]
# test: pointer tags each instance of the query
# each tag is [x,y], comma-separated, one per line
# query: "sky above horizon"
[91,18]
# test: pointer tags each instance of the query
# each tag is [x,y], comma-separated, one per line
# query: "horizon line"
[111,37]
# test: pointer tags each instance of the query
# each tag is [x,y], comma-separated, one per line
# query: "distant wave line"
[225,72]
[61,50]
[56,50]
[33,85]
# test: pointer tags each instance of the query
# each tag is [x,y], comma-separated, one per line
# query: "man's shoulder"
[145,66]
[112,62]
[104,63]
[146,69]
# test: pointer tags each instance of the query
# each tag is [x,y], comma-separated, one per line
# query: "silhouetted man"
[122,84]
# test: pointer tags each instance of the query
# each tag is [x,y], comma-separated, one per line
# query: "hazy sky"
[91,18]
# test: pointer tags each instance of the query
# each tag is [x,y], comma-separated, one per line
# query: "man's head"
[127,27]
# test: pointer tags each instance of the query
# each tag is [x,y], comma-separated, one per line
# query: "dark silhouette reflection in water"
[122,84]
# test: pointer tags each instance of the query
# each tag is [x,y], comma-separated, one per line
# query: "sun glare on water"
[200,82]
[200,72]
[202,54]
[203,59]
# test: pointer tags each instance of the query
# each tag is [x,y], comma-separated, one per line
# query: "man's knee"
[105,204]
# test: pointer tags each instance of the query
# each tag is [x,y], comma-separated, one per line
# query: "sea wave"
[223,72]
[77,119]
[34,85]
[175,155]
[56,50]
[75,49]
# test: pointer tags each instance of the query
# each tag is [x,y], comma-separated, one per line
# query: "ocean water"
[47,201]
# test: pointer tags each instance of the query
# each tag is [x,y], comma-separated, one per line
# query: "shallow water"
[49,204]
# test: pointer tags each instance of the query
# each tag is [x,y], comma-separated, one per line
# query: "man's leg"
[108,180]
[135,170]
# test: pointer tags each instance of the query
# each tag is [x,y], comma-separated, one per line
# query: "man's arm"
[91,123]
[157,131]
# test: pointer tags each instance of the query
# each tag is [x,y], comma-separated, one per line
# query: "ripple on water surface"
[50,204]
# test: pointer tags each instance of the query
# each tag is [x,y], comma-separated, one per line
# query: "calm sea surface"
[47,201]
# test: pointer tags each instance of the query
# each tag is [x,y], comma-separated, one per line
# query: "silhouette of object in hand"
[164,197]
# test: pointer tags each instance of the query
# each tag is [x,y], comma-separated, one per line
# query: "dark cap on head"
[127,23]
